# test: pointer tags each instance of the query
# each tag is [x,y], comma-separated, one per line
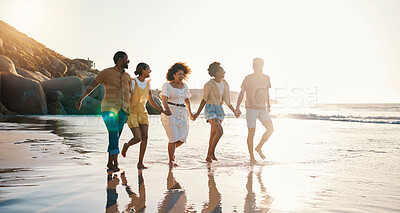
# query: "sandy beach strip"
[21,148]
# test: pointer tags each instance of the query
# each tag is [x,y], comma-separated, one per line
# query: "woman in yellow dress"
[138,120]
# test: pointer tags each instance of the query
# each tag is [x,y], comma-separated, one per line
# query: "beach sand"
[58,164]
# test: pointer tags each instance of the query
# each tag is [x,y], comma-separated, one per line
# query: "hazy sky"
[344,51]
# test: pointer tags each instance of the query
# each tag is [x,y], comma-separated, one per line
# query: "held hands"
[167,112]
[237,113]
[192,116]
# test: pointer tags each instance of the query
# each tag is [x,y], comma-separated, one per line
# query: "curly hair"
[175,68]
[214,68]
[140,67]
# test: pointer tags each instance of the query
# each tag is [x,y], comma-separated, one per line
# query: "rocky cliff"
[37,80]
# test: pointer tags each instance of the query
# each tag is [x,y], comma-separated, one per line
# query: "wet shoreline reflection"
[137,201]
[250,200]
[175,197]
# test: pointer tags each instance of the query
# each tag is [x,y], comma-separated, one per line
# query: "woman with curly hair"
[175,97]
[215,91]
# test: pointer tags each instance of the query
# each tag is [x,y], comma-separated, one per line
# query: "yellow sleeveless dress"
[137,106]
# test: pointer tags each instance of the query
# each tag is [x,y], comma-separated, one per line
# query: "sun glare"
[25,13]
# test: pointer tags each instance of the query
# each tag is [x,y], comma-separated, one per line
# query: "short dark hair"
[175,68]
[140,67]
[118,55]
[214,68]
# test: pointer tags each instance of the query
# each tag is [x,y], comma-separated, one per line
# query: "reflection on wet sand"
[137,203]
[214,197]
[175,197]
[250,200]
[112,195]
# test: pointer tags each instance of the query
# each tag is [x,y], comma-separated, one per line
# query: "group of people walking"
[125,98]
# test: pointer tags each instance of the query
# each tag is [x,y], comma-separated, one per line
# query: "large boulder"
[22,95]
[1,46]
[90,106]
[97,93]
[32,75]
[68,86]
[7,65]
[72,71]
[54,105]
[59,66]
[150,109]
[4,111]
[45,72]
[45,60]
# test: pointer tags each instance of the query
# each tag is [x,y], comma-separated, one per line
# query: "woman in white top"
[175,97]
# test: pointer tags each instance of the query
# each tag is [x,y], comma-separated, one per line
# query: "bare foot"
[172,164]
[213,157]
[124,149]
[209,159]
[253,161]
[123,179]
[113,169]
[141,166]
[110,166]
[258,150]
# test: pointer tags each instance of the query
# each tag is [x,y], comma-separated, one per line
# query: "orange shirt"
[117,86]
[256,87]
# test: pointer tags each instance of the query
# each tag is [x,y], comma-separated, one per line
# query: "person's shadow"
[250,200]
[214,197]
[175,197]
[137,203]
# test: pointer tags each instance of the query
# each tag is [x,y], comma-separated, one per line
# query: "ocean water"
[329,158]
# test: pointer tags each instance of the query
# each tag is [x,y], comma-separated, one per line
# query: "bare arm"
[202,104]
[231,107]
[167,111]
[187,103]
[153,103]
[87,91]
[268,102]
[239,101]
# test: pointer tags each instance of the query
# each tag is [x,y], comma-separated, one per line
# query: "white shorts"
[252,115]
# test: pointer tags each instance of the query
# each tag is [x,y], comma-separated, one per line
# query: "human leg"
[137,137]
[111,122]
[218,132]
[143,144]
[110,164]
[171,154]
[250,137]
[210,142]
[267,134]
[251,118]
[121,120]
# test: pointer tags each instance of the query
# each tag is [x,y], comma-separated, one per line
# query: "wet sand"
[59,165]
